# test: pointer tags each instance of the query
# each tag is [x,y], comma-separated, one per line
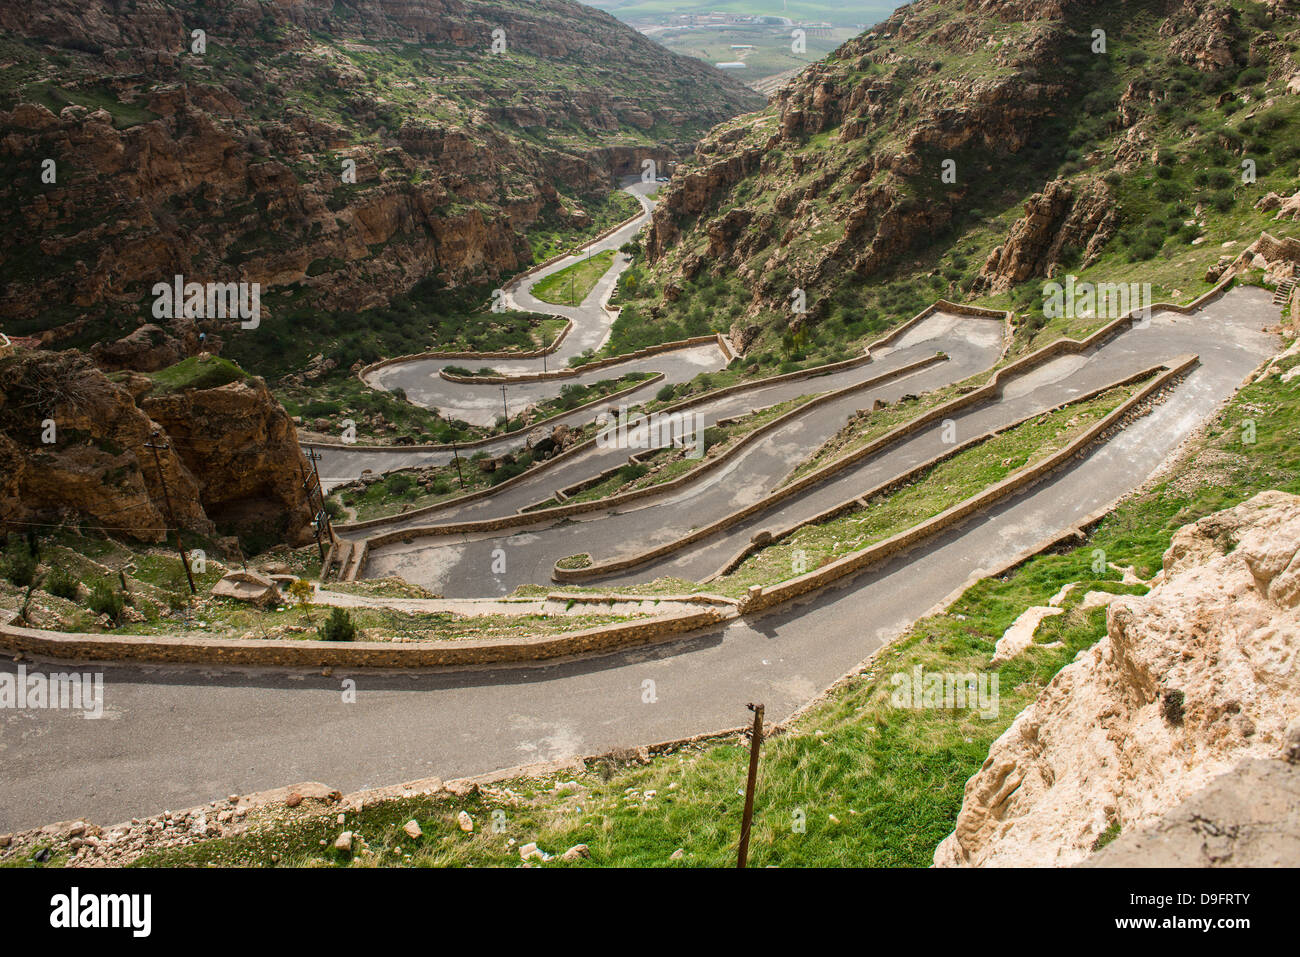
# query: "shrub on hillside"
[19,564]
[338,627]
[107,600]
[61,584]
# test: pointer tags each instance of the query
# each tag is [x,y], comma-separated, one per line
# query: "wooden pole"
[171,515]
[455,455]
[755,742]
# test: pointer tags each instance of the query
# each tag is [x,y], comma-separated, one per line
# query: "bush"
[338,627]
[61,584]
[666,393]
[1250,76]
[107,600]
[1221,179]
[19,564]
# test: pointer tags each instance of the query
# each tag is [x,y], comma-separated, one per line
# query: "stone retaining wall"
[532,518]
[498,354]
[746,440]
[874,554]
[909,476]
[723,344]
[469,496]
[356,654]
[572,371]
[991,389]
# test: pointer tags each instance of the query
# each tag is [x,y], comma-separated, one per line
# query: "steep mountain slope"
[226,163]
[1123,157]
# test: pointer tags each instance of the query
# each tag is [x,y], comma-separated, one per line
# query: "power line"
[95,525]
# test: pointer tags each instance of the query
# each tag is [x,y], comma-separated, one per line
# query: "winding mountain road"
[176,736]
[481,403]
[461,565]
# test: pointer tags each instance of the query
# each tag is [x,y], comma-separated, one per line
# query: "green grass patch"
[571,285]
[196,372]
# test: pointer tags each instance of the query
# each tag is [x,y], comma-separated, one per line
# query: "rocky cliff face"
[1057,224]
[1191,679]
[888,118]
[876,162]
[228,164]
[75,447]
[242,448]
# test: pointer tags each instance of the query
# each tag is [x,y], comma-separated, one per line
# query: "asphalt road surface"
[174,736]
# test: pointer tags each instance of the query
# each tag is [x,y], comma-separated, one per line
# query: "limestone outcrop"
[77,451]
[75,446]
[1057,225]
[1249,817]
[1190,680]
[242,448]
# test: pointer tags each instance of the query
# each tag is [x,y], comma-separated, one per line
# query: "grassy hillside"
[358,158]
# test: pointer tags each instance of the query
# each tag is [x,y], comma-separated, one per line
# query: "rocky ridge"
[227,165]
[840,180]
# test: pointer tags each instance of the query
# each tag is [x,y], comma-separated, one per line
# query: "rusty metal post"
[755,743]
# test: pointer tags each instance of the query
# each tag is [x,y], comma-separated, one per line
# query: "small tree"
[338,627]
[301,592]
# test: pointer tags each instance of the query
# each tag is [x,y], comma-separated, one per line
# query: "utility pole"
[320,517]
[455,456]
[504,410]
[756,739]
[171,515]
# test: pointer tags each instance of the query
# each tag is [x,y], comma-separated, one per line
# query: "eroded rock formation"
[1190,680]
[1057,225]
[75,446]
[228,164]
[883,121]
